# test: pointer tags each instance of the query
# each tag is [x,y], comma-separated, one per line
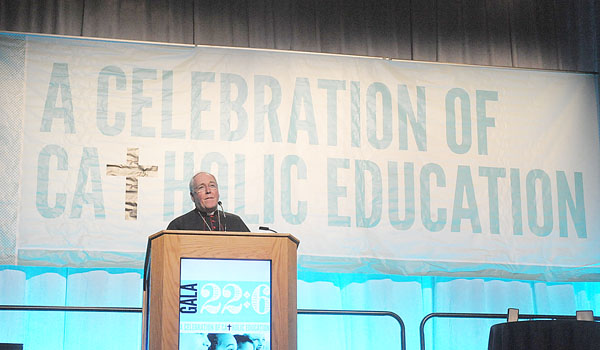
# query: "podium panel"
[255,271]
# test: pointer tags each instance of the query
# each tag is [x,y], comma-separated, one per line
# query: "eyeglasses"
[202,188]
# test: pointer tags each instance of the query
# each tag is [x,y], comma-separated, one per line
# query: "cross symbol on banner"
[132,170]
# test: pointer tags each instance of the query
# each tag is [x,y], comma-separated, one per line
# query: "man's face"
[258,340]
[226,341]
[205,192]
[202,342]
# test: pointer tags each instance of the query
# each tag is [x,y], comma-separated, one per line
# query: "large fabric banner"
[375,165]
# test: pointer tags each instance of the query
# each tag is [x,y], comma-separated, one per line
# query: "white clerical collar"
[206,213]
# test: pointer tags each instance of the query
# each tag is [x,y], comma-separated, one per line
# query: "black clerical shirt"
[196,220]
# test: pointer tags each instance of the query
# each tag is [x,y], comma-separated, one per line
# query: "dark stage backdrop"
[547,34]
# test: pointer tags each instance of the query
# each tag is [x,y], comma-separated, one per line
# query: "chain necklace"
[206,223]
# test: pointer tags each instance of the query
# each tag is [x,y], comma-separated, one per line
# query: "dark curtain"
[547,34]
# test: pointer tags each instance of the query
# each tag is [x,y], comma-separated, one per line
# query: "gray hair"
[196,174]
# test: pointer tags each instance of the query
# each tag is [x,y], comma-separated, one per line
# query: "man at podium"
[206,216]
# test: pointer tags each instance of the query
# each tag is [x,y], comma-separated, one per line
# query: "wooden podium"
[165,249]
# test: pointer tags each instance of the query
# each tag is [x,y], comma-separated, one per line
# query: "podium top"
[223,233]
[293,239]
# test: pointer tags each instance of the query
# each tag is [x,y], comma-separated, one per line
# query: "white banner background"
[502,154]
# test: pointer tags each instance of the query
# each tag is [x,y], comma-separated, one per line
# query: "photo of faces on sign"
[222,341]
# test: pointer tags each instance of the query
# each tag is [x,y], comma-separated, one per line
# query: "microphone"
[223,210]
[265,228]
[224,216]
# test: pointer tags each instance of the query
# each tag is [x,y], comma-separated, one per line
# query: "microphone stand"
[224,216]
